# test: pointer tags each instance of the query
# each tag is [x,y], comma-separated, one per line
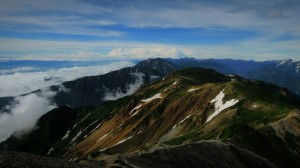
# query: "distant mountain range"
[93,90]
[178,117]
[284,73]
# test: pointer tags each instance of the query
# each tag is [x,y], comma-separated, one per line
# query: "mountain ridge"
[175,110]
[94,90]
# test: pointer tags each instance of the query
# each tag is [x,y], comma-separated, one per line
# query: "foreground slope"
[183,108]
[201,154]
[24,160]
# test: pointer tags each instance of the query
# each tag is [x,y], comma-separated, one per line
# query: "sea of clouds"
[21,82]
[130,88]
[25,110]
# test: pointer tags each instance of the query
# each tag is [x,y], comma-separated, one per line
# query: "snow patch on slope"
[191,90]
[182,121]
[122,141]
[77,135]
[137,107]
[104,136]
[66,135]
[187,117]
[156,96]
[50,151]
[219,106]
[298,67]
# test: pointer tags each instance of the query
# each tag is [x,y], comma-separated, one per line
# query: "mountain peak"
[159,65]
[289,62]
[293,66]
[202,75]
[155,62]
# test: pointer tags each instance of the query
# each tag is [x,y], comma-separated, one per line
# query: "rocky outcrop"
[202,154]
[25,160]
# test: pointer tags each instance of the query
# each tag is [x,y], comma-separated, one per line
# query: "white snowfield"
[137,107]
[104,136]
[298,68]
[191,90]
[95,128]
[66,135]
[182,121]
[219,106]
[77,135]
[103,149]
[50,151]
[134,113]
[122,141]
[156,96]
[174,83]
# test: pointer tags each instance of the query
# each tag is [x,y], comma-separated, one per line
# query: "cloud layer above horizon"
[117,29]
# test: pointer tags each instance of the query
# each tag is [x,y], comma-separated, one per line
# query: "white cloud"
[80,50]
[63,14]
[131,88]
[267,19]
[259,48]
[20,69]
[25,112]
[21,83]
[162,52]
[92,18]
[62,17]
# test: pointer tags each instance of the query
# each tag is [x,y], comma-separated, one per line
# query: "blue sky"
[139,29]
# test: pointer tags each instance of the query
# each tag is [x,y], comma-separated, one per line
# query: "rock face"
[202,154]
[25,160]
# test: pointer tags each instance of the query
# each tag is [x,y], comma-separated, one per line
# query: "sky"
[140,29]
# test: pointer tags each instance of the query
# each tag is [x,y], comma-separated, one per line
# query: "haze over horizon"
[122,30]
